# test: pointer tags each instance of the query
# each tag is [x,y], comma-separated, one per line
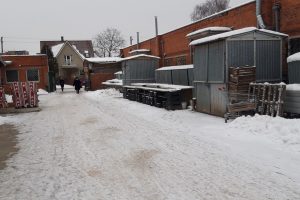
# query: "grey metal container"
[292,102]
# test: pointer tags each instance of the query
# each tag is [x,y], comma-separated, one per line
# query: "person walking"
[62,83]
[77,84]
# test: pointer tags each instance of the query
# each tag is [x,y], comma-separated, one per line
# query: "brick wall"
[22,64]
[174,44]
[98,78]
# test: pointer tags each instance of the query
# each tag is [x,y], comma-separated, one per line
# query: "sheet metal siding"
[218,99]
[191,76]
[240,53]
[140,71]
[268,60]
[202,94]
[216,65]
[163,76]
[294,72]
[180,77]
[292,102]
[200,63]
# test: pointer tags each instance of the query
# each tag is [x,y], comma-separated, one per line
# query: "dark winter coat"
[77,84]
[62,82]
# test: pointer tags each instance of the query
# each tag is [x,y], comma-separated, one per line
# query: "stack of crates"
[240,79]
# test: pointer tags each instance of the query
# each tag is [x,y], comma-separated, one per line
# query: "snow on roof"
[293,87]
[119,72]
[138,56]
[294,57]
[56,49]
[176,67]
[161,87]
[140,50]
[104,59]
[213,28]
[233,33]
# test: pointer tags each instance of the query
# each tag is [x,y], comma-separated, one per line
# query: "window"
[181,60]
[32,75]
[12,76]
[68,60]
[168,62]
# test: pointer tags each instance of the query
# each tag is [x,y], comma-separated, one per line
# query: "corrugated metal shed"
[214,55]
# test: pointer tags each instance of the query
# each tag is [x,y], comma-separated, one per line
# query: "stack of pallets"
[269,97]
[240,78]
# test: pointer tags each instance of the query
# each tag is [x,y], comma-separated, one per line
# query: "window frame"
[12,70]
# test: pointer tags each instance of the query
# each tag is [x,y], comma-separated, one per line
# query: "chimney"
[156,26]
[62,38]
[137,40]
[131,39]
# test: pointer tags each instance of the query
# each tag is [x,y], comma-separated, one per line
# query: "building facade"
[23,68]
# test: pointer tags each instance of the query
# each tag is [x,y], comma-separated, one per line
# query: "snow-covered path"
[100,146]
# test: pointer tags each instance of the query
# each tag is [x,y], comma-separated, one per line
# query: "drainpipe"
[260,21]
[276,9]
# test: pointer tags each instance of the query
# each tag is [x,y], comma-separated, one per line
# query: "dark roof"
[81,45]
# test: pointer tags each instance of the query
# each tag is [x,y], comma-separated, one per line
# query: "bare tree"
[109,42]
[208,8]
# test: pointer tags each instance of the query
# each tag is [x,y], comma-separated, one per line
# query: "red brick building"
[173,47]
[24,68]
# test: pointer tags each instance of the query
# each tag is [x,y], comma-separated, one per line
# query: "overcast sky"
[25,22]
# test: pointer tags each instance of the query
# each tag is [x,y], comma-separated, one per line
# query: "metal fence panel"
[268,60]
[216,65]
[294,72]
[240,53]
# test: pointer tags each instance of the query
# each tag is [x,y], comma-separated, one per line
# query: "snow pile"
[2,120]
[42,92]
[8,98]
[294,57]
[286,131]
[112,82]
[293,87]
[111,92]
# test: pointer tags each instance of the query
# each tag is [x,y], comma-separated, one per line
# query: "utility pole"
[1,44]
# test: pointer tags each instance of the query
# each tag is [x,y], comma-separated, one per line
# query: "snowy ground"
[97,145]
